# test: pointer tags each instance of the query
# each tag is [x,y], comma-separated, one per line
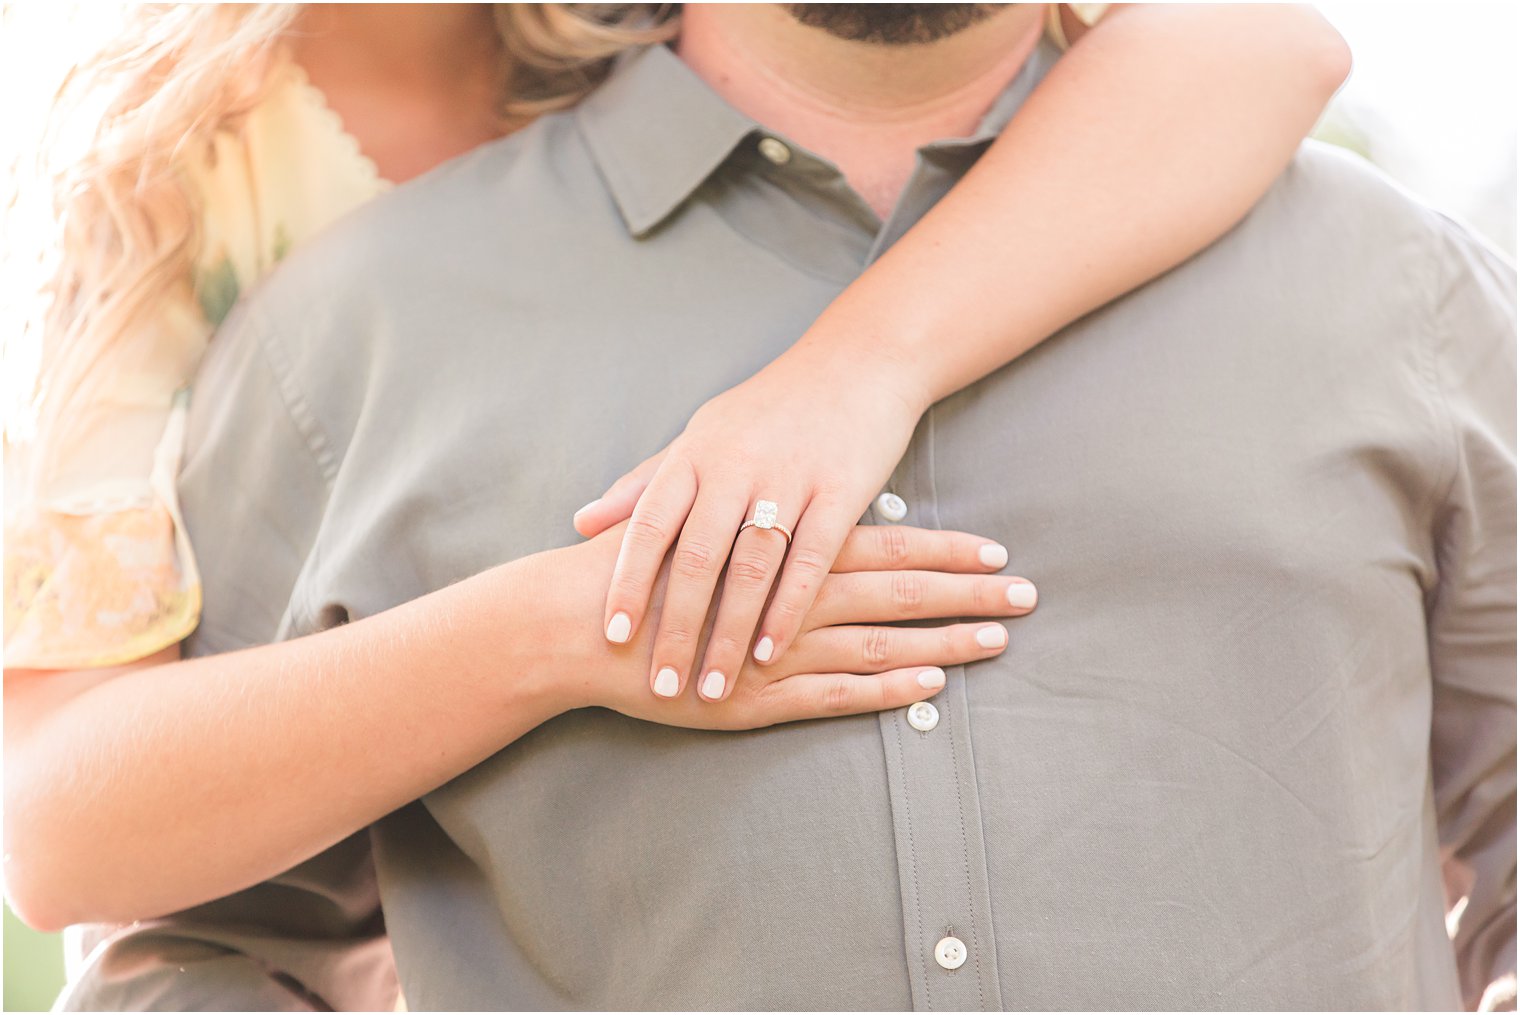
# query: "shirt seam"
[300,615]
[1442,490]
[295,405]
[918,905]
[955,753]
[1448,440]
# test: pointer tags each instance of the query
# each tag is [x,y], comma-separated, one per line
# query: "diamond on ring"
[765,514]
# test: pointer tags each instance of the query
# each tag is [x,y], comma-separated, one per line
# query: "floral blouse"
[98,571]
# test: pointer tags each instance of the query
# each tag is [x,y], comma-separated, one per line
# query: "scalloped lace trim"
[315,101]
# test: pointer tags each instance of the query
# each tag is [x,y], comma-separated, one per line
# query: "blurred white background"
[1432,100]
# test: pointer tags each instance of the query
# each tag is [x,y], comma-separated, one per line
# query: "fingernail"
[991,555]
[931,680]
[618,628]
[585,507]
[667,682]
[1022,596]
[712,685]
[992,636]
[763,649]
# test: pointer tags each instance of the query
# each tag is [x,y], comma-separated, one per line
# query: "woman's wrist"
[522,654]
[556,652]
[878,362]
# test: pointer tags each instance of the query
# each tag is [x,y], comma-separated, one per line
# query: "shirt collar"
[657,131]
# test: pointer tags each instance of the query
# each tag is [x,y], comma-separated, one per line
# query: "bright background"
[1432,100]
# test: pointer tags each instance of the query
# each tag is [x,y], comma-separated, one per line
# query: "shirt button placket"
[952,961]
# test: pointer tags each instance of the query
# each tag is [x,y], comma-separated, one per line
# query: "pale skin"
[230,769]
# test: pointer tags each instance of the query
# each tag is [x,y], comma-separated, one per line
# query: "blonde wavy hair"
[126,224]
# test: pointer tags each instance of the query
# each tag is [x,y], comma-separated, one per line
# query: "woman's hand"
[844,659]
[819,451]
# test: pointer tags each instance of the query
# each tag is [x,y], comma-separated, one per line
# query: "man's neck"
[866,107]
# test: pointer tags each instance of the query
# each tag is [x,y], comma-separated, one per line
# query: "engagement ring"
[765,518]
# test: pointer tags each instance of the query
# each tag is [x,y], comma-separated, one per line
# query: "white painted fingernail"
[585,507]
[1022,596]
[712,685]
[763,649]
[992,636]
[618,628]
[667,682]
[991,555]
[931,680]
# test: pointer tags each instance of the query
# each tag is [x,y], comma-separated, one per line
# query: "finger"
[820,533]
[903,547]
[817,695]
[870,649]
[656,522]
[752,569]
[619,500]
[875,597]
[694,568]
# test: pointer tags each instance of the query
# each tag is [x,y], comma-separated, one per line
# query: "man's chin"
[891,24]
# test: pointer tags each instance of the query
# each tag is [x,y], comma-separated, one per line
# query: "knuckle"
[648,531]
[722,647]
[628,586]
[907,591]
[892,546]
[693,560]
[808,564]
[676,632]
[876,646]
[786,611]
[749,571]
[949,641]
[980,599]
[838,695]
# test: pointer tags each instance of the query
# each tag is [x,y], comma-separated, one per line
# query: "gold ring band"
[773,527]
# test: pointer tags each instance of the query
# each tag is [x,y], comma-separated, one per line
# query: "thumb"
[617,503]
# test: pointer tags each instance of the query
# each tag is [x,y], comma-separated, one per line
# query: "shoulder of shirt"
[325,309]
[462,196]
[1332,209]
[348,273]
[1345,193]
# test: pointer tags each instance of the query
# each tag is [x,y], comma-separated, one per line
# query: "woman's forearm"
[1149,140]
[228,769]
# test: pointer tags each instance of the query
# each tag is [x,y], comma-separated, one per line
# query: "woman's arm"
[131,793]
[1149,140]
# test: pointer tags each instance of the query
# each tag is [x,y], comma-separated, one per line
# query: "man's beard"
[891,24]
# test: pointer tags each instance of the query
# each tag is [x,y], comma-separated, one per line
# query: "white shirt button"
[923,716]
[950,952]
[892,507]
[776,152]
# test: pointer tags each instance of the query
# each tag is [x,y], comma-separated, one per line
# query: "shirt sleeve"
[1472,613]
[253,490]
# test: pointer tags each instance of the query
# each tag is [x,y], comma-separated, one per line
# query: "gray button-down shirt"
[1268,499]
